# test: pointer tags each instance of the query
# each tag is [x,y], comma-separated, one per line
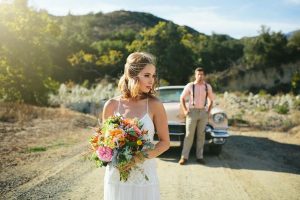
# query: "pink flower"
[136,129]
[105,153]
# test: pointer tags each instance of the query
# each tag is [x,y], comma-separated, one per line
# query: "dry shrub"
[18,112]
[295,131]
[295,117]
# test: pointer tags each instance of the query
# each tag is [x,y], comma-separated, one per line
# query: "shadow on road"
[247,152]
[172,155]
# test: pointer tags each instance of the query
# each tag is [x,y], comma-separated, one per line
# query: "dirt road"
[253,165]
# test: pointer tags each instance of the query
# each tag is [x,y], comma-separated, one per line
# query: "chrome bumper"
[176,134]
[219,137]
[219,133]
[176,128]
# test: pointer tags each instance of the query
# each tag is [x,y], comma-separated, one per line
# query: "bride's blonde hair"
[129,82]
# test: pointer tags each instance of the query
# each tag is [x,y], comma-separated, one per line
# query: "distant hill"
[290,34]
[120,21]
[107,25]
[100,26]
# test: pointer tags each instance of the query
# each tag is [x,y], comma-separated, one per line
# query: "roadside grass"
[55,145]
[36,149]
[19,112]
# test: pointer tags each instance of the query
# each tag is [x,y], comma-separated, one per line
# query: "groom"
[196,114]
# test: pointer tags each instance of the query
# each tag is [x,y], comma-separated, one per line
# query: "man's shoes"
[182,161]
[200,161]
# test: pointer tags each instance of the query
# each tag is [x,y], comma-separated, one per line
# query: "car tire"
[215,149]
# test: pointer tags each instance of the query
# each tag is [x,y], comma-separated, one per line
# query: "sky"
[237,18]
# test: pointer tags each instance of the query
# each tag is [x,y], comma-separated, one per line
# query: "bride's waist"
[151,161]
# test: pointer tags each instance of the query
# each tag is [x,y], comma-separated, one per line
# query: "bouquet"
[117,141]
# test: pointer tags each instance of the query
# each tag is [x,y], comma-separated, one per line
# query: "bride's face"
[146,78]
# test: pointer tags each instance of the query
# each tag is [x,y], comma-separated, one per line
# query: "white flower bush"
[82,99]
[264,111]
[256,101]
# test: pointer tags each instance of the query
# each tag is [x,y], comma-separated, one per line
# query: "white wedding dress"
[136,187]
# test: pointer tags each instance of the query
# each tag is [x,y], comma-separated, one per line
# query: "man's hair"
[199,69]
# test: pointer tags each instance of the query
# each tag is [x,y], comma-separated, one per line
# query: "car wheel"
[215,149]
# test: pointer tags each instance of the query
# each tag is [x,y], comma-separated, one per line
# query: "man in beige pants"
[197,114]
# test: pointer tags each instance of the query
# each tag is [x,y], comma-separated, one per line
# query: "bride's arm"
[161,125]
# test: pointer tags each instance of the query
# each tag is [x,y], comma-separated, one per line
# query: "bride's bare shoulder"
[155,104]
[112,103]
[154,100]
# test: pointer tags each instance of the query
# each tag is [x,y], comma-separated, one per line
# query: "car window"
[170,95]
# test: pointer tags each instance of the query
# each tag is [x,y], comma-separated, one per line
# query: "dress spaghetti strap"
[147,106]
[119,102]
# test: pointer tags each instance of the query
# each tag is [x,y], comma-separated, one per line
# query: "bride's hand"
[127,166]
[138,158]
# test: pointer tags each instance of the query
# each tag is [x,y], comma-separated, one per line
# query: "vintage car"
[216,132]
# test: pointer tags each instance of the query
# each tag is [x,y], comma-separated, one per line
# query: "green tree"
[218,52]
[169,43]
[76,35]
[268,49]
[96,66]
[295,82]
[25,61]
[294,46]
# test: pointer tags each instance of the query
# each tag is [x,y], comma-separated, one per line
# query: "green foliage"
[214,82]
[51,85]
[262,93]
[295,82]
[218,52]
[108,45]
[163,82]
[25,62]
[282,109]
[268,49]
[36,149]
[294,40]
[94,66]
[168,43]
[122,24]
[38,51]
[294,45]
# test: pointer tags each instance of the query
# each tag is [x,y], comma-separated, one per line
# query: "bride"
[137,100]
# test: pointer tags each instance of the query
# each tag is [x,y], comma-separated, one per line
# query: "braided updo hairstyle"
[129,82]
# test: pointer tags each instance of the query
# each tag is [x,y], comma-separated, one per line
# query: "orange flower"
[121,143]
[94,139]
[115,132]
[95,146]
[144,132]
[128,121]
